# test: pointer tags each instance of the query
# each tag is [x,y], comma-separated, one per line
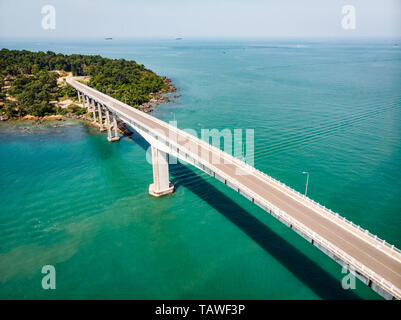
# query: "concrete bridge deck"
[376,263]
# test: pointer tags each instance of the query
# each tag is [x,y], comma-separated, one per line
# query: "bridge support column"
[88,104]
[110,137]
[115,127]
[79,96]
[85,101]
[99,110]
[161,185]
[94,111]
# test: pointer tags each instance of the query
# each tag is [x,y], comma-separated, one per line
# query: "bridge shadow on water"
[300,265]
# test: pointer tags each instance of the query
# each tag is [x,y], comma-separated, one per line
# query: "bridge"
[374,261]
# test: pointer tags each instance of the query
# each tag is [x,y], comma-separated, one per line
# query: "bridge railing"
[332,214]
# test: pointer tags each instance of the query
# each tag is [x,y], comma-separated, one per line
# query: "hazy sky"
[199,18]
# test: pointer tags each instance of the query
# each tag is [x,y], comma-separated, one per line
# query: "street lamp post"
[307,181]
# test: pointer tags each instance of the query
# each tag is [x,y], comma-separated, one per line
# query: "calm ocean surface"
[71,199]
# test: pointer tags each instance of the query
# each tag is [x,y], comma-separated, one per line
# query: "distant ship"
[108,38]
[178,38]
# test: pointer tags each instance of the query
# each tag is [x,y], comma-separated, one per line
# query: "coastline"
[147,107]
[159,97]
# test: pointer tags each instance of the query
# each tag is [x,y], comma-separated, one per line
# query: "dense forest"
[29,80]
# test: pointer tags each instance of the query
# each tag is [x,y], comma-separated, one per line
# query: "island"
[32,84]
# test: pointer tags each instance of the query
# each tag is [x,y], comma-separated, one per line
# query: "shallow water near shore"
[73,200]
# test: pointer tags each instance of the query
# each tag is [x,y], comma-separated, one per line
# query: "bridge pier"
[79,96]
[88,104]
[100,113]
[110,137]
[161,185]
[115,127]
[85,103]
[94,110]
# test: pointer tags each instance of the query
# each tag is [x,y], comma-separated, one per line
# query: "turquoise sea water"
[71,199]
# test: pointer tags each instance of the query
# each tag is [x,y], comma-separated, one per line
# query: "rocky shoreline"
[159,97]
